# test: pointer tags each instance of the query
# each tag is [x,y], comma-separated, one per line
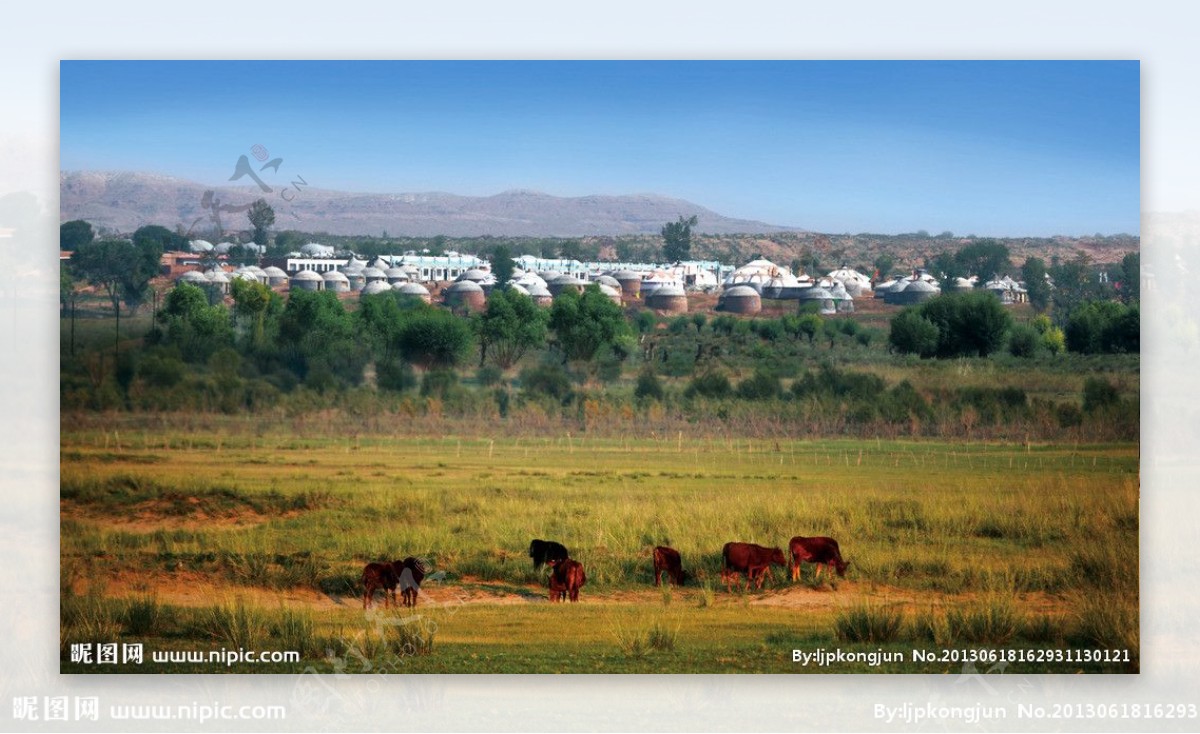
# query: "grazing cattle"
[379,576]
[753,560]
[566,576]
[667,559]
[819,551]
[544,551]
[410,572]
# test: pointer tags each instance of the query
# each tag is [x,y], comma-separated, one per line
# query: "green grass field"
[241,538]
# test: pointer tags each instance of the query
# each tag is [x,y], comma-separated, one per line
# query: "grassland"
[235,537]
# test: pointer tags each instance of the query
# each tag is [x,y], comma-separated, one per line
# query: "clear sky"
[986,148]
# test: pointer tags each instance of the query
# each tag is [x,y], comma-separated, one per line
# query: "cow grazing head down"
[753,560]
[668,560]
[819,551]
[566,578]
[544,551]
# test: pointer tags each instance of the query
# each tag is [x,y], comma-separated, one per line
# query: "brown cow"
[379,576]
[667,559]
[566,576]
[753,560]
[410,572]
[818,551]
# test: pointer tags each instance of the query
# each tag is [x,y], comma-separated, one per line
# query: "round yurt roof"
[839,292]
[373,273]
[517,288]
[396,273]
[307,275]
[816,293]
[529,279]
[538,291]
[223,247]
[474,274]
[412,289]
[548,275]
[920,286]
[378,286]
[334,275]
[193,276]
[315,249]
[464,286]
[668,290]
[245,275]
[200,246]
[608,280]
[216,276]
[274,272]
[626,275]
[610,291]
[380,262]
[739,291]
[354,262]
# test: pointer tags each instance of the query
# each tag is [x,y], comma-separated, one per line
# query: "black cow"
[820,551]
[566,576]
[753,560]
[544,551]
[667,559]
[410,572]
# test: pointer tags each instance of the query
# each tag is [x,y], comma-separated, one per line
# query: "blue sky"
[987,148]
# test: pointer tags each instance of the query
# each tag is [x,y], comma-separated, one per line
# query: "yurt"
[740,299]
[336,281]
[668,299]
[305,280]
[465,294]
[415,291]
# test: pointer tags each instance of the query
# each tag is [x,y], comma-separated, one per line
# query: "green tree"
[74,234]
[434,339]
[677,239]
[251,300]
[502,266]
[883,264]
[197,329]
[122,269]
[319,341]
[510,326]
[584,323]
[1033,273]
[968,324]
[911,333]
[153,236]
[261,217]
[1131,278]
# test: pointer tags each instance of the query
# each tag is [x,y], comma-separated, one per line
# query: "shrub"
[489,375]
[762,385]
[649,387]
[550,380]
[395,375]
[439,383]
[968,324]
[709,385]
[1023,341]
[1099,393]
[868,623]
[912,333]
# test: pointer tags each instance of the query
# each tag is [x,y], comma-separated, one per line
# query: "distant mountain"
[126,201]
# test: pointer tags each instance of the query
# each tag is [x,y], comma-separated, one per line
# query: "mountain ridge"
[122,201]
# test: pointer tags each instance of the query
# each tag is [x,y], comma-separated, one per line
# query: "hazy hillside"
[125,201]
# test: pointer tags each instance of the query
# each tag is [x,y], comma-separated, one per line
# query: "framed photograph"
[378,368]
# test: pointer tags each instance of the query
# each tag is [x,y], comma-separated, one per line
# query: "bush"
[968,324]
[709,385]
[649,387]
[762,385]
[395,375]
[869,623]
[550,380]
[439,384]
[912,333]
[1023,341]
[489,375]
[1098,394]
[1104,327]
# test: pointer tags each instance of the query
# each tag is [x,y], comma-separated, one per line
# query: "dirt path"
[193,590]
